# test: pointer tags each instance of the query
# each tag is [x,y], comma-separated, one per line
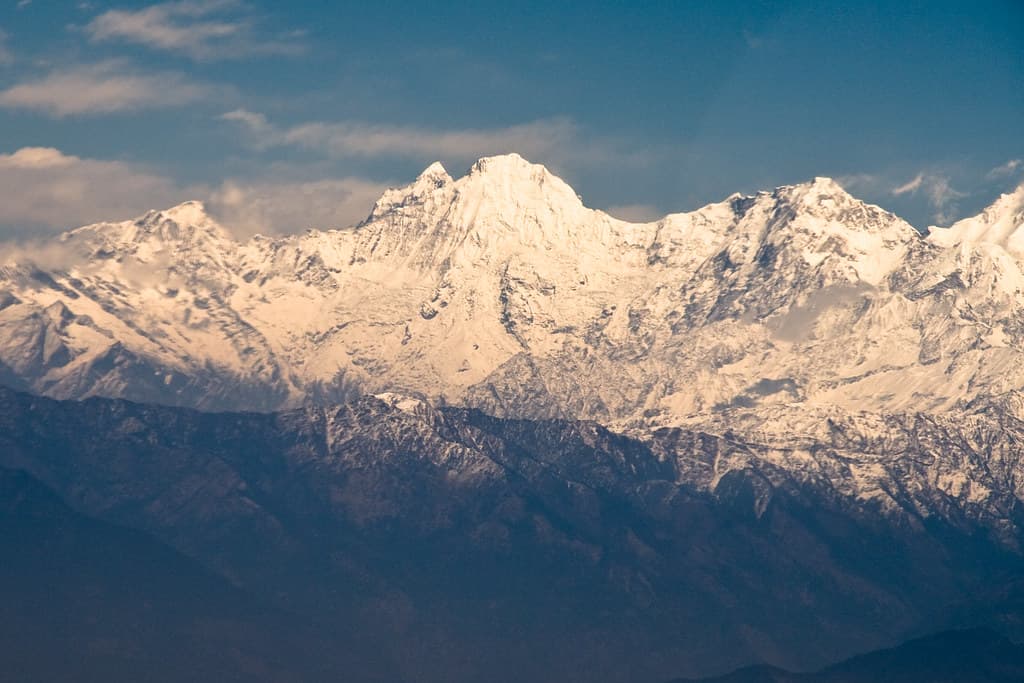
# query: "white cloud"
[36,157]
[937,189]
[1006,170]
[45,189]
[199,29]
[268,208]
[102,88]
[553,141]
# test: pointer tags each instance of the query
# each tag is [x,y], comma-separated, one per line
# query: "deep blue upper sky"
[286,115]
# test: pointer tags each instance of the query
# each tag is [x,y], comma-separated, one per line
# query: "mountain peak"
[822,198]
[511,180]
[431,179]
[1012,201]
[825,182]
[1001,223]
[435,174]
[185,223]
[817,223]
[504,163]
[816,188]
[510,168]
[192,212]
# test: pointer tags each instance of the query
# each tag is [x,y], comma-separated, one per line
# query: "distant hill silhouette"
[968,656]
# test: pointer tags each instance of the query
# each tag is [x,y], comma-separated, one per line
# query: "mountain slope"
[469,547]
[499,289]
[83,600]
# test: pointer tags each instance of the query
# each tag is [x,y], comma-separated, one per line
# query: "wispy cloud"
[271,207]
[257,124]
[753,40]
[1006,170]
[554,140]
[354,139]
[910,186]
[102,88]
[937,189]
[6,56]
[199,29]
[855,183]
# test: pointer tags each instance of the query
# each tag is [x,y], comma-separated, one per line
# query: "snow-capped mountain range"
[502,290]
[793,394]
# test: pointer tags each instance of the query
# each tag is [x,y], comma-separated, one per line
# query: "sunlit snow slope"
[503,291]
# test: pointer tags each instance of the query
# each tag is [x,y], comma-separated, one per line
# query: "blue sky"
[284,116]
